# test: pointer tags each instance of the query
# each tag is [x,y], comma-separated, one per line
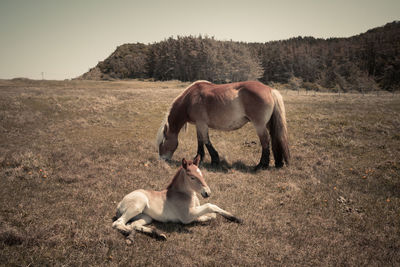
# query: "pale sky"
[63,39]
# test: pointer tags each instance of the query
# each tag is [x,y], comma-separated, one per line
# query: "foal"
[177,203]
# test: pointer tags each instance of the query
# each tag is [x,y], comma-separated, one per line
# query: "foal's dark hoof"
[159,236]
[235,220]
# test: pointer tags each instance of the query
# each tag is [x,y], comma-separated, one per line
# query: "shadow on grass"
[223,166]
[171,227]
[167,228]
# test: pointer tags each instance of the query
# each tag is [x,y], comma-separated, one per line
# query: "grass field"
[70,150]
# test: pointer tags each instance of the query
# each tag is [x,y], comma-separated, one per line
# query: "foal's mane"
[173,180]
[177,174]
[160,133]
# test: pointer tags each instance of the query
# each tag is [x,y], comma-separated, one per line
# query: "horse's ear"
[184,163]
[196,160]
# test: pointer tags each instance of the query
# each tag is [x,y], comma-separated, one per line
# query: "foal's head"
[167,142]
[194,177]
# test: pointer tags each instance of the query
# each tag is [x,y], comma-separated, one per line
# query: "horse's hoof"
[261,167]
[214,164]
[279,165]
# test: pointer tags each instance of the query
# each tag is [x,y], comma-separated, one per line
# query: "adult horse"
[227,107]
[177,203]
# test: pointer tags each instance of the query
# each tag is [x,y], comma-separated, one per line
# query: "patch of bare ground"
[71,150]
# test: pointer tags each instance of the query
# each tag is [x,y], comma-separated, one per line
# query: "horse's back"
[255,91]
[229,106]
[217,106]
[209,93]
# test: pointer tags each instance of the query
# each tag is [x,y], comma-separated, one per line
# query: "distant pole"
[42,75]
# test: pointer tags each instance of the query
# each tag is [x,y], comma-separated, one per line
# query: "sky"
[54,39]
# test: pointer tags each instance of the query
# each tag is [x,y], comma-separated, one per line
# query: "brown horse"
[177,203]
[227,107]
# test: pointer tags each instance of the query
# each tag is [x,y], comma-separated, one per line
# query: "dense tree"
[364,62]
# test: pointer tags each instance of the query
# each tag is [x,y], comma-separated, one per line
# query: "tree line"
[369,61]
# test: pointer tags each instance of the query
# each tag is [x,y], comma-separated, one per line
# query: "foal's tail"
[278,131]
[117,215]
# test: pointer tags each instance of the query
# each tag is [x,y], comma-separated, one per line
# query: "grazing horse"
[177,203]
[227,107]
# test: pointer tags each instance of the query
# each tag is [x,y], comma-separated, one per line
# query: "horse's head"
[195,178]
[167,142]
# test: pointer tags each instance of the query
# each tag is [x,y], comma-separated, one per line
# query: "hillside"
[366,62]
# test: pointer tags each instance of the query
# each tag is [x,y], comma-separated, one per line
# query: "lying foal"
[177,203]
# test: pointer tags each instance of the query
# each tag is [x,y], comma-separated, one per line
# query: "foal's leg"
[197,212]
[203,138]
[130,207]
[206,217]
[264,140]
[139,225]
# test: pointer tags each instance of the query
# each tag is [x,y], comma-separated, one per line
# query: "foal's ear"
[184,163]
[196,160]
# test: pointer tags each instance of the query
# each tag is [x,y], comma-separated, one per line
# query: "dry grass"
[71,150]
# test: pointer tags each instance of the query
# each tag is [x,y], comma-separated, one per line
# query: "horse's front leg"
[213,153]
[200,149]
[198,212]
[203,138]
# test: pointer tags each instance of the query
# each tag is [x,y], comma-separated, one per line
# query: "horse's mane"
[160,133]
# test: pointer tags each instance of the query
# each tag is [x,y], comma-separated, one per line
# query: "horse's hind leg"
[203,138]
[264,140]
[276,146]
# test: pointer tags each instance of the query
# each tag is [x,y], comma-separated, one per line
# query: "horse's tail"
[278,130]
